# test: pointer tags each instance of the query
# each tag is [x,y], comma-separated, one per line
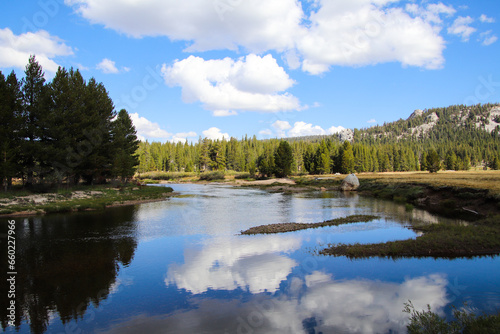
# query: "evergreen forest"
[457,141]
[62,131]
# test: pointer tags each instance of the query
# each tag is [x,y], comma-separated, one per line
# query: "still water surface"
[179,266]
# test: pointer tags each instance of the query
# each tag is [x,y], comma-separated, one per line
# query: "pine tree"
[10,129]
[33,89]
[125,144]
[283,158]
[347,160]
[433,163]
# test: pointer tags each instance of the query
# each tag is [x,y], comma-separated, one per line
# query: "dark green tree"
[125,145]
[283,158]
[347,159]
[433,163]
[10,129]
[33,89]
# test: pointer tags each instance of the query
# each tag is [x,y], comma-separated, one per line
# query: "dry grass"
[487,180]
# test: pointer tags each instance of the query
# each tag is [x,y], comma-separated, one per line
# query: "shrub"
[212,176]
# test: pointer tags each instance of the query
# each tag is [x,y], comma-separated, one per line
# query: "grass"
[165,176]
[465,321]
[438,240]
[98,197]
[212,176]
[288,227]
[484,180]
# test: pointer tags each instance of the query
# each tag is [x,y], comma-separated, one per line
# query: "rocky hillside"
[435,122]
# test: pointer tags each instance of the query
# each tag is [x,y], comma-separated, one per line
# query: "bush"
[212,176]
[426,321]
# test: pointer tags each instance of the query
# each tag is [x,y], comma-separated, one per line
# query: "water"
[179,266]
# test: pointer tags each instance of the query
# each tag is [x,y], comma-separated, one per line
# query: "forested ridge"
[65,130]
[458,134]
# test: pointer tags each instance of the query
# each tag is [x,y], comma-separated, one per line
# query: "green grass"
[438,240]
[288,227]
[464,322]
[165,176]
[212,176]
[109,196]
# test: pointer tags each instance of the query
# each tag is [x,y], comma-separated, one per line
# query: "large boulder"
[350,183]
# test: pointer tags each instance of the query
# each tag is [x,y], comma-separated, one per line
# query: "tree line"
[377,149]
[65,130]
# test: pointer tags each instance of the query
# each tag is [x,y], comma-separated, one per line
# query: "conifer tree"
[125,144]
[283,158]
[347,160]
[433,163]
[33,89]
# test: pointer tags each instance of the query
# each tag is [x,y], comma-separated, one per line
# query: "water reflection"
[229,263]
[313,304]
[65,263]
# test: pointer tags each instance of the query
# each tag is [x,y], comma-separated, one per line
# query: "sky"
[269,68]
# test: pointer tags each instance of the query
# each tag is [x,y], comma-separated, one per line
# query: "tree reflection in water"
[65,263]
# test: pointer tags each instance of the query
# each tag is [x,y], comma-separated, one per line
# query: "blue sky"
[270,68]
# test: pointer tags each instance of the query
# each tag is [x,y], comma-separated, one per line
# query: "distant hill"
[437,122]
[422,124]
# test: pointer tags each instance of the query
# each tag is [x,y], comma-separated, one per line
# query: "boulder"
[350,183]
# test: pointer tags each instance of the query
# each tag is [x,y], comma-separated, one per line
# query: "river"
[180,266]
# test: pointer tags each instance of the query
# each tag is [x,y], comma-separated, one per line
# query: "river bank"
[81,198]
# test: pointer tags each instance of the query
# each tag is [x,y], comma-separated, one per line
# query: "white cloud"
[266,132]
[432,12]
[335,129]
[15,50]
[108,66]
[485,19]
[183,136]
[258,25]
[345,33]
[280,127]
[214,134]
[372,121]
[147,129]
[226,86]
[228,264]
[487,38]
[284,129]
[366,32]
[461,27]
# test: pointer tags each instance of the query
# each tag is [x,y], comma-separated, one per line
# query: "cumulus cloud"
[345,33]
[147,129]
[366,32]
[307,129]
[225,86]
[108,66]
[461,27]
[258,25]
[299,129]
[214,134]
[15,50]
[372,121]
[485,19]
